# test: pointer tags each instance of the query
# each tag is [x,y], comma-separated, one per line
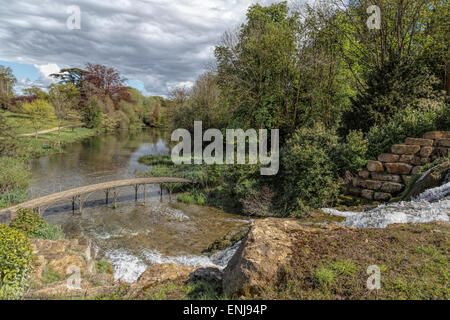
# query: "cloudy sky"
[156,44]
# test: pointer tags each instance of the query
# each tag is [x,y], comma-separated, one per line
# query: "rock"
[442,143]
[386,177]
[425,152]
[436,135]
[381,196]
[262,254]
[364,174]
[388,157]
[62,263]
[419,142]
[355,191]
[227,240]
[406,179]
[392,187]
[367,194]
[405,149]
[435,177]
[206,274]
[160,273]
[371,184]
[375,166]
[398,168]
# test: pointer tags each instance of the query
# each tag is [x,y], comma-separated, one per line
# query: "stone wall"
[387,177]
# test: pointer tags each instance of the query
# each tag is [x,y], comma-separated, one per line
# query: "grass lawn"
[23,124]
[30,147]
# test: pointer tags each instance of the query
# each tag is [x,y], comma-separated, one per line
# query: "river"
[132,236]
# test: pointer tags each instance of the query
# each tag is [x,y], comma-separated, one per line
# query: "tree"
[7,81]
[36,92]
[70,75]
[7,140]
[39,111]
[102,81]
[64,98]
[257,69]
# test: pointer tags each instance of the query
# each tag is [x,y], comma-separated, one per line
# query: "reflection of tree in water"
[94,160]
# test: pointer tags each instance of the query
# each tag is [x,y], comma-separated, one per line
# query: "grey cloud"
[160,43]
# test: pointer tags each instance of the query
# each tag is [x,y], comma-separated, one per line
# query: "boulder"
[160,273]
[364,174]
[443,143]
[263,253]
[386,177]
[436,135]
[375,166]
[398,168]
[405,149]
[392,187]
[367,194]
[371,184]
[388,157]
[382,196]
[419,141]
[425,152]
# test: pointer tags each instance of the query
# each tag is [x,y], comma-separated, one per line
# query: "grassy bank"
[413,261]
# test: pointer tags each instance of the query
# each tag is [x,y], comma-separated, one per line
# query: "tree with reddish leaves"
[102,81]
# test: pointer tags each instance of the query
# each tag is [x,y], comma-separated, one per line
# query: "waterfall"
[431,205]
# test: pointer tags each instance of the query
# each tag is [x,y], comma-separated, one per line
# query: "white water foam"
[129,268]
[429,206]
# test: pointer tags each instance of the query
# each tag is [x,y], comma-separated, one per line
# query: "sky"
[157,45]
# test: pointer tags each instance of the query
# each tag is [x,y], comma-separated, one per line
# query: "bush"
[308,172]
[14,174]
[352,155]
[407,123]
[15,262]
[13,197]
[194,197]
[34,226]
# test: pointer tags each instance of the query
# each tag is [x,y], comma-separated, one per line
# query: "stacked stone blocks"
[387,176]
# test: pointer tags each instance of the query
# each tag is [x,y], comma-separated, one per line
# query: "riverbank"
[15,171]
[283,259]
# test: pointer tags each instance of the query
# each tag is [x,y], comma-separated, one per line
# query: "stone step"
[437,135]
[405,149]
[419,142]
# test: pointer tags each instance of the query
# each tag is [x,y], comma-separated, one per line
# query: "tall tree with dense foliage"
[7,82]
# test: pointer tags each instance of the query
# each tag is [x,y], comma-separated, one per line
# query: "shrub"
[407,123]
[13,197]
[352,155]
[34,226]
[308,173]
[14,174]
[194,197]
[15,262]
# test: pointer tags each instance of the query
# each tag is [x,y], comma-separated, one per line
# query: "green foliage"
[39,111]
[50,276]
[15,262]
[92,114]
[14,174]
[410,122]
[13,197]
[103,266]
[194,197]
[352,154]
[308,177]
[34,226]
[8,144]
[153,160]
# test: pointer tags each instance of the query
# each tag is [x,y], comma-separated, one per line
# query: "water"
[133,236]
[431,205]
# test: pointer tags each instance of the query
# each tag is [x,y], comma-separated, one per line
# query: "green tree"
[64,98]
[39,111]
[8,143]
[7,82]
[257,69]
